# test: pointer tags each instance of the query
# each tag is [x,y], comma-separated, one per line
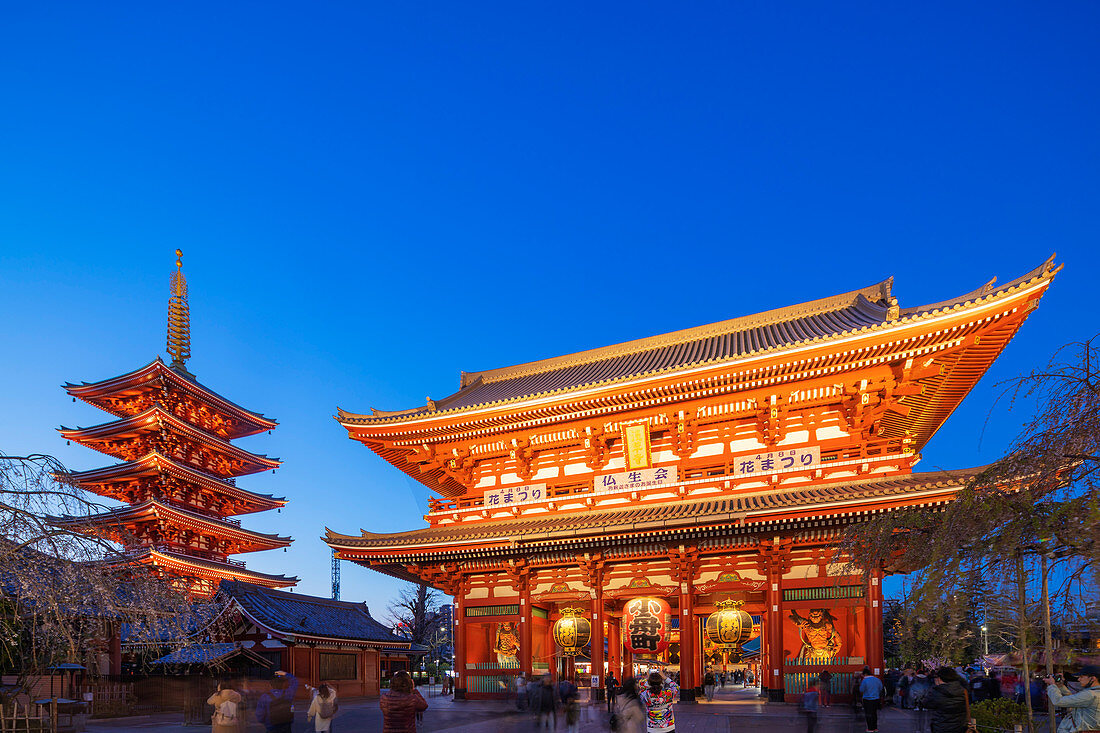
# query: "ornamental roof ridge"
[474,381]
[184,380]
[871,295]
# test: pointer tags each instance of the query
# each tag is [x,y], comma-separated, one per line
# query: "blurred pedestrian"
[630,710]
[276,707]
[227,709]
[400,704]
[547,705]
[826,680]
[323,708]
[808,704]
[949,702]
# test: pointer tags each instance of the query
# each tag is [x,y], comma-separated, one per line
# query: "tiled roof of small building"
[866,309]
[637,519]
[298,614]
[209,654]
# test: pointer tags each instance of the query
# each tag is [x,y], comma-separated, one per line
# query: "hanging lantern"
[729,627]
[572,631]
[646,625]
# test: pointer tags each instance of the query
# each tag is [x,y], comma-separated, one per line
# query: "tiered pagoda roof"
[179,469]
[131,482]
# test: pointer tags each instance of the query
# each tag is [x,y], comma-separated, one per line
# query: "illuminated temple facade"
[179,470]
[715,464]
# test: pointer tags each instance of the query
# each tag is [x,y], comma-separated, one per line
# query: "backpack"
[279,711]
[226,713]
[327,709]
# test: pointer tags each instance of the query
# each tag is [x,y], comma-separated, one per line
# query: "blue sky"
[373,197]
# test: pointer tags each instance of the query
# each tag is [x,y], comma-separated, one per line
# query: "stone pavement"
[733,711]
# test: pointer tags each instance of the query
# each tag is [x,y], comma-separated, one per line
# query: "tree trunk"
[1047,641]
[1021,603]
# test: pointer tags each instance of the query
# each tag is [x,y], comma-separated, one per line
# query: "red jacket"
[399,711]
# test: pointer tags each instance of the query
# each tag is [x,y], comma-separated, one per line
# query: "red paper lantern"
[646,625]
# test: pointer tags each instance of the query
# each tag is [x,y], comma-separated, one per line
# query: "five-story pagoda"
[179,470]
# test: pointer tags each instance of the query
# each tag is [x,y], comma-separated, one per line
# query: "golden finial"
[179,319]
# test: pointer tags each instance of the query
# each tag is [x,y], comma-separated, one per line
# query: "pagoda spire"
[179,320]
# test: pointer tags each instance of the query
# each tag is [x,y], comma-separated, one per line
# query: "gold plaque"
[636,446]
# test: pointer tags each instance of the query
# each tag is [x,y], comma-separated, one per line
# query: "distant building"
[317,639]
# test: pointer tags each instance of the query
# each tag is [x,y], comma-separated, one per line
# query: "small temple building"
[317,639]
[628,494]
[179,469]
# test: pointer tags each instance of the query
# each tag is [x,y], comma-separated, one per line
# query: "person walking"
[323,708]
[546,705]
[521,692]
[949,702]
[808,705]
[630,710]
[658,698]
[826,680]
[227,709]
[903,687]
[569,695]
[400,704]
[918,688]
[275,710]
[708,685]
[1084,706]
[609,685]
[870,692]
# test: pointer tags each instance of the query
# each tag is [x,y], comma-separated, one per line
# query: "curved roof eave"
[439,407]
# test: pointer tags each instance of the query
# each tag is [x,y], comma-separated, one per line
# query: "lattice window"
[337,666]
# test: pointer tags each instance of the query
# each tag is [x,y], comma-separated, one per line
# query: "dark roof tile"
[294,614]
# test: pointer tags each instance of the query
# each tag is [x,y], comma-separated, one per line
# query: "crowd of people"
[645,704]
[947,694]
[236,709]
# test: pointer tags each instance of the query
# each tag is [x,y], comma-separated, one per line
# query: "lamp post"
[985,640]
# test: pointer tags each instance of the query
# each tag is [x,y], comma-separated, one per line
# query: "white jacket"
[321,724]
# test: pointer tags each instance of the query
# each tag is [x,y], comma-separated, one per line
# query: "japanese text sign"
[514,495]
[643,478]
[776,460]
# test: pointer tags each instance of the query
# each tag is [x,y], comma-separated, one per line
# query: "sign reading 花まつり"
[776,460]
[513,495]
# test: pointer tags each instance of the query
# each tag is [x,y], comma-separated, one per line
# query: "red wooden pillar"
[614,648]
[873,625]
[774,605]
[460,644]
[597,636]
[687,642]
[526,630]
[628,663]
